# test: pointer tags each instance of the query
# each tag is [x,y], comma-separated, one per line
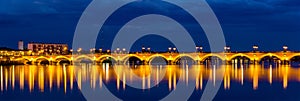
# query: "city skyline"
[268,24]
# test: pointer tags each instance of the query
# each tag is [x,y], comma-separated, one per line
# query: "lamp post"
[201,49]
[174,49]
[255,48]
[285,48]
[143,49]
[170,49]
[149,49]
[124,50]
[227,49]
[100,50]
[91,50]
[79,50]
[71,50]
[117,50]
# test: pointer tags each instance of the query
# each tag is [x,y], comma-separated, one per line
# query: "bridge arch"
[60,59]
[104,57]
[177,58]
[241,55]
[25,60]
[212,55]
[152,57]
[41,59]
[126,58]
[83,57]
[270,55]
[292,56]
[131,55]
[184,55]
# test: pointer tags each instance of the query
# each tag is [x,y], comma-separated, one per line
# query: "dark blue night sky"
[267,23]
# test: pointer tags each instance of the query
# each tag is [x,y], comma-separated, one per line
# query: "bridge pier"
[286,62]
[198,62]
[227,62]
[255,62]
[170,62]
[50,62]
[33,63]
[145,62]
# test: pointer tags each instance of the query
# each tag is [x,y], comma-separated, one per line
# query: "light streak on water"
[32,78]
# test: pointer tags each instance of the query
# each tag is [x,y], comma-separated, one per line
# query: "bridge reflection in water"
[33,78]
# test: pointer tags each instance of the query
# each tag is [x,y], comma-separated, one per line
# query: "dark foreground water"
[246,82]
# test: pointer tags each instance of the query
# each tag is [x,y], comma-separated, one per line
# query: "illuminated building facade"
[48,48]
[21,45]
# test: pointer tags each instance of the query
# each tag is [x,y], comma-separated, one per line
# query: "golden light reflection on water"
[55,77]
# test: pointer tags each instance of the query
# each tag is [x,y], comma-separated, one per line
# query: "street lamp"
[143,49]
[170,49]
[148,49]
[285,48]
[174,49]
[227,49]
[118,50]
[79,50]
[255,48]
[124,50]
[100,50]
[201,48]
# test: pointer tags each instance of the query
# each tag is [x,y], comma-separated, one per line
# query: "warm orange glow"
[285,77]
[71,73]
[21,78]
[31,78]
[174,81]
[65,79]
[1,78]
[13,77]
[40,77]
[124,80]
[255,78]
[50,75]
[270,75]
[79,79]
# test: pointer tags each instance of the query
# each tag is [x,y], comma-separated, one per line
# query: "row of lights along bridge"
[148,50]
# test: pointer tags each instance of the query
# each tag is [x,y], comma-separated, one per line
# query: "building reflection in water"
[32,78]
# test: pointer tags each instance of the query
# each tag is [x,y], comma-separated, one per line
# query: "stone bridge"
[171,58]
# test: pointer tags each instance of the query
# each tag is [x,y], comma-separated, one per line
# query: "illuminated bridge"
[170,58]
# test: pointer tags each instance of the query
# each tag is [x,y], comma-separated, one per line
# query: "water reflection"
[39,78]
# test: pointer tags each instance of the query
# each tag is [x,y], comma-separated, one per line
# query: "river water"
[149,82]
